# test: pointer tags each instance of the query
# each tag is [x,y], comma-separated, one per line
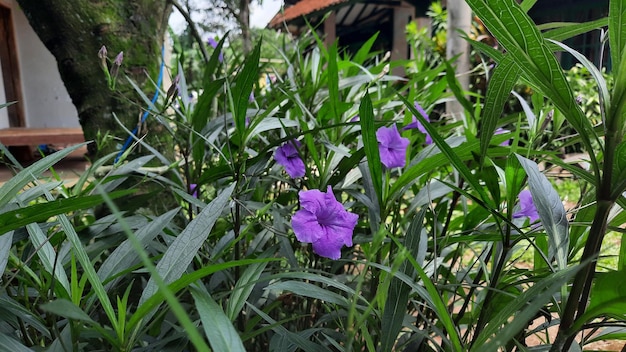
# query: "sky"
[260,15]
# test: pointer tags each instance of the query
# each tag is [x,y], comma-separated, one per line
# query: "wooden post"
[400,48]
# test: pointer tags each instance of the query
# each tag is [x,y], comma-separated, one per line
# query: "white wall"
[46,101]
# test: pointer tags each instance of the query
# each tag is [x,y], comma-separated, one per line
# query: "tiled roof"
[303,7]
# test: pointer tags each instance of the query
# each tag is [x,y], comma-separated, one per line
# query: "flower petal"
[306,227]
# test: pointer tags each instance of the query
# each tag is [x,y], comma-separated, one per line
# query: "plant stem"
[577,301]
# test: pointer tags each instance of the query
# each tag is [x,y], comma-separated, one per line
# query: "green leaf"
[514,317]
[301,342]
[398,296]
[551,211]
[67,309]
[370,144]
[570,30]
[449,153]
[219,330]
[14,219]
[47,255]
[244,83]
[8,343]
[14,185]
[333,83]
[183,249]
[184,282]
[617,30]
[243,289]
[6,242]
[505,75]
[309,290]
[606,298]
[124,256]
[521,39]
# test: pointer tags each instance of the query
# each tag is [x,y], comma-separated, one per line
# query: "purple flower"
[356,118]
[287,156]
[193,189]
[527,207]
[391,146]
[213,44]
[418,125]
[251,97]
[501,130]
[324,222]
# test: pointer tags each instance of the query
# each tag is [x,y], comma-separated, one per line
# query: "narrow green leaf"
[505,75]
[527,4]
[243,288]
[551,212]
[219,330]
[182,250]
[333,83]
[370,145]
[14,219]
[24,177]
[395,309]
[617,30]
[570,30]
[244,82]
[89,270]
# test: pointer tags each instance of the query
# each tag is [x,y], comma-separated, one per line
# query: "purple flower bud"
[287,156]
[119,58]
[579,99]
[391,146]
[324,222]
[102,53]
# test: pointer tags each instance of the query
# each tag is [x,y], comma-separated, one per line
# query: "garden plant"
[337,208]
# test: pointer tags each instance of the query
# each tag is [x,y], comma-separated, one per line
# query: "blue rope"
[145,114]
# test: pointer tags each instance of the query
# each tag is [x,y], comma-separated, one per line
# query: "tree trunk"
[75,30]
[244,22]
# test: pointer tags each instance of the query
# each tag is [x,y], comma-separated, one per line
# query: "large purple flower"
[287,156]
[418,125]
[391,146]
[527,207]
[324,222]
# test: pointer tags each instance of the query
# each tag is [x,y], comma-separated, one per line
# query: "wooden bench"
[26,136]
